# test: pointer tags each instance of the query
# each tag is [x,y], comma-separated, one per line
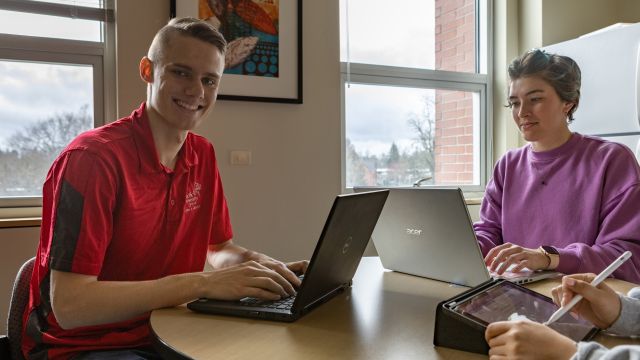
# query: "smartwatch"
[552,254]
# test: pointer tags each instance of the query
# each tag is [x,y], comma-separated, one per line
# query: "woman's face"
[539,113]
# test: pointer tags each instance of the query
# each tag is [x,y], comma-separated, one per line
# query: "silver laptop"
[428,232]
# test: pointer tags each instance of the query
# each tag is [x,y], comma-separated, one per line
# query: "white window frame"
[99,55]
[371,74]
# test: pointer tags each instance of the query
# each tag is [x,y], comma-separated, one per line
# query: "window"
[415,92]
[53,59]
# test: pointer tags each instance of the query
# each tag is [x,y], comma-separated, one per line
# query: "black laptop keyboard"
[282,304]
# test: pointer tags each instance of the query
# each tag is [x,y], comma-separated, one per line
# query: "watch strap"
[553,256]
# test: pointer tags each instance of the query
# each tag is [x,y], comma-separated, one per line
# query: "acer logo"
[414,231]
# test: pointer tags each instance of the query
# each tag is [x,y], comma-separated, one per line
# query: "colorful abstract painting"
[251,29]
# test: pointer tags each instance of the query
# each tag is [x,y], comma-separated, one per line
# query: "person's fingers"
[298,267]
[269,270]
[520,265]
[566,293]
[556,294]
[496,328]
[497,259]
[591,293]
[505,258]
[268,284]
[285,276]
[498,357]
[502,267]
[488,260]
[286,279]
[260,293]
[586,277]
[569,281]
[498,352]
[498,341]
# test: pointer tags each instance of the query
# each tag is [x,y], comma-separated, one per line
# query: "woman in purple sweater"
[565,201]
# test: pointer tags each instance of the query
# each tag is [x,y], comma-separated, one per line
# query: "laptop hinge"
[326,297]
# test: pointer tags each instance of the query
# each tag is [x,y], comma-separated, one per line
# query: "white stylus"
[603,275]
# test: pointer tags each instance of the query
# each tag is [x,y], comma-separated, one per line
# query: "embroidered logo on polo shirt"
[192,200]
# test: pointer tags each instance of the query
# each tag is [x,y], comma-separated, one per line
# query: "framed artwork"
[264,53]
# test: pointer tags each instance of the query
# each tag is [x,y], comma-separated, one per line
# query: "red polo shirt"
[112,210]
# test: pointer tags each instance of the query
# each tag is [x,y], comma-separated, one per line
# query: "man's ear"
[146,69]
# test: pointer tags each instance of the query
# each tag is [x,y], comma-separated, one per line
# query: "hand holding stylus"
[596,281]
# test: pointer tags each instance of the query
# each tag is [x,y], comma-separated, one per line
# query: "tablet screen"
[506,301]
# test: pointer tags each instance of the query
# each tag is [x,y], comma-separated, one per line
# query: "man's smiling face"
[185,81]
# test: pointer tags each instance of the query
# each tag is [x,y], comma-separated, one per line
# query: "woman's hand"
[501,257]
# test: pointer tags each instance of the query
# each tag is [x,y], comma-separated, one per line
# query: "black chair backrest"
[19,300]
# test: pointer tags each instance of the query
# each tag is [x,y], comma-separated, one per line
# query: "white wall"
[545,22]
[279,203]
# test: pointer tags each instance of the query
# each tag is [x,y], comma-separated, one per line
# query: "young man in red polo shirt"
[133,209]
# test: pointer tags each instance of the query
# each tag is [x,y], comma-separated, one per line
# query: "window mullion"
[412,73]
[61,10]
[48,45]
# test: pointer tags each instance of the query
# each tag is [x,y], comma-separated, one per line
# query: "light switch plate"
[240,157]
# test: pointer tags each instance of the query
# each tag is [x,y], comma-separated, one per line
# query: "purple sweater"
[582,198]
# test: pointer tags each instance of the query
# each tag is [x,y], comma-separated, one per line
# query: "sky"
[376,116]
[12,22]
[32,91]
[397,33]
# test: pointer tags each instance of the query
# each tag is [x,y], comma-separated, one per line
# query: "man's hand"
[601,305]
[527,340]
[501,257]
[251,278]
[298,267]
[229,254]
[288,271]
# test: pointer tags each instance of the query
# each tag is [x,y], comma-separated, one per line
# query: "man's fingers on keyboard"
[267,284]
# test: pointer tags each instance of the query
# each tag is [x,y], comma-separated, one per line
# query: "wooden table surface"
[385,315]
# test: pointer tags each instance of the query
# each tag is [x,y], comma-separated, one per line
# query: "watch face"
[550,250]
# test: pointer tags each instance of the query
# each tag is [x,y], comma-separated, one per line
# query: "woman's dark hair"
[561,72]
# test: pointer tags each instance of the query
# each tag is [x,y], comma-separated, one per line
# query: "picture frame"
[272,70]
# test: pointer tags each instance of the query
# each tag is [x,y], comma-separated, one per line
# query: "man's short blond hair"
[187,26]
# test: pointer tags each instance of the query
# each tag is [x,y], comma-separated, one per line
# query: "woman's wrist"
[547,258]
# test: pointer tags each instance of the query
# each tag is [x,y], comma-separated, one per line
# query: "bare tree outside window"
[28,153]
[424,125]
[397,167]
[415,112]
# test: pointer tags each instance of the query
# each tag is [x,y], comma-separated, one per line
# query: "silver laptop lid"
[428,232]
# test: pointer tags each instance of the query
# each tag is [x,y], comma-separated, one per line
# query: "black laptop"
[334,262]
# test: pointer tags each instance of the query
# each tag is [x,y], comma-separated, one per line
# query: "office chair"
[10,343]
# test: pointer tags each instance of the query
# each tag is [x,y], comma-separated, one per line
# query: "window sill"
[473,201]
[36,221]
[20,222]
